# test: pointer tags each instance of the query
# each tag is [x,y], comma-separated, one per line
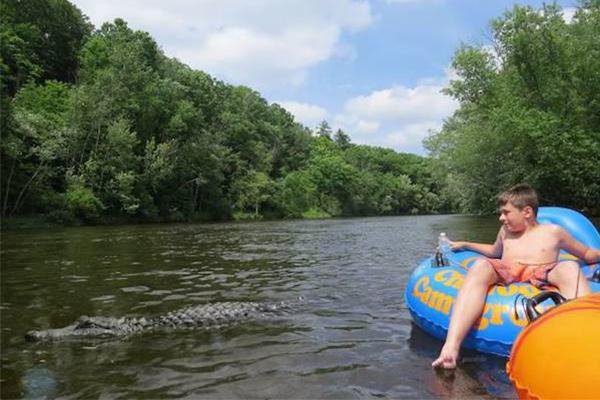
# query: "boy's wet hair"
[521,196]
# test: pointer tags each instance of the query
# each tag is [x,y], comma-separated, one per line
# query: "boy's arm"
[578,249]
[488,250]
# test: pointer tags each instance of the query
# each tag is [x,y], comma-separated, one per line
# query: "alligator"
[204,316]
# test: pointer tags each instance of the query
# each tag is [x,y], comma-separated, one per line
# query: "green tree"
[324,130]
[110,171]
[296,194]
[251,191]
[33,150]
[53,31]
[531,116]
[342,139]
[115,128]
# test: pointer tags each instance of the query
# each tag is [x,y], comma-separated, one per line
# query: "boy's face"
[513,218]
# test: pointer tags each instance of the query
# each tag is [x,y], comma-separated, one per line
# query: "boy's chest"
[533,247]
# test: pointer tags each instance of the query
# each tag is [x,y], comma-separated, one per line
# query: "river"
[348,335]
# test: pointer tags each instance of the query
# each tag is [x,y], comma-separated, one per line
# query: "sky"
[374,68]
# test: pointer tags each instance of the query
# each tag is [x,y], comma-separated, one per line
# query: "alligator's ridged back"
[214,314]
[207,315]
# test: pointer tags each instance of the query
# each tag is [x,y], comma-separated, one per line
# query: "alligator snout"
[33,336]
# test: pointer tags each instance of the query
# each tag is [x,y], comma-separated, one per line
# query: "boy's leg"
[466,310]
[565,276]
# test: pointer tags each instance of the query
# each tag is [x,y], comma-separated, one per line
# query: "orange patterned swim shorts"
[536,274]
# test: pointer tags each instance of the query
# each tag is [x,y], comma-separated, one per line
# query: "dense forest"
[529,111]
[98,125]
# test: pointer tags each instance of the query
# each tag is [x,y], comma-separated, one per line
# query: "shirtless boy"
[524,251]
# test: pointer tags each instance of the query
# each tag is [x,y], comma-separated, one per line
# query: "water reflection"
[38,383]
[476,373]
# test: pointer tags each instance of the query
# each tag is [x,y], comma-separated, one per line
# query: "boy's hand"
[455,246]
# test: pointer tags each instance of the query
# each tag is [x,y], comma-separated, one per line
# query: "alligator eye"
[84,324]
[32,336]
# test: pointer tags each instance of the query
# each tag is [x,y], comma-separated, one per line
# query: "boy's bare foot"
[447,359]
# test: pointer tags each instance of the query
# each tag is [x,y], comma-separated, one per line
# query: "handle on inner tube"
[532,313]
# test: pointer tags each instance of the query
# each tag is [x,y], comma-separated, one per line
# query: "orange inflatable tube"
[557,356]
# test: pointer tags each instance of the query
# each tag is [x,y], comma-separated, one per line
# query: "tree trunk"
[17,205]
[85,142]
[6,191]
[194,199]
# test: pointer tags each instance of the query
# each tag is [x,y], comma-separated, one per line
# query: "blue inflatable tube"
[431,290]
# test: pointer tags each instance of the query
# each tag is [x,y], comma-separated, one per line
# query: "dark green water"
[351,337]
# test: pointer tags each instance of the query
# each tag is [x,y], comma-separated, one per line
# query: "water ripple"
[351,337]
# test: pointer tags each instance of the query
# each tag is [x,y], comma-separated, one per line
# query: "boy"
[524,251]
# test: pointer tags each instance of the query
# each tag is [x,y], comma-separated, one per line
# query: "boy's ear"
[528,212]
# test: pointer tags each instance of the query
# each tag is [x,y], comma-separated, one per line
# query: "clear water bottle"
[444,250]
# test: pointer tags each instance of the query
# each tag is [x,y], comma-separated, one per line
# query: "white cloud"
[307,114]
[253,57]
[402,103]
[568,13]
[367,127]
[491,50]
[275,43]
[259,43]
[399,116]
[411,135]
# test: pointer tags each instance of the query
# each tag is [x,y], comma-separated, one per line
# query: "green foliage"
[80,200]
[110,169]
[324,130]
[49,100]
[43,40]
[18,61]
[251,191]
[295,194]
[139,136]
[33,148]
[342,139]
[315,213]
[531,116]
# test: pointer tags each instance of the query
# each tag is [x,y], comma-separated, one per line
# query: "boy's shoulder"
[551,229]
[546,226]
